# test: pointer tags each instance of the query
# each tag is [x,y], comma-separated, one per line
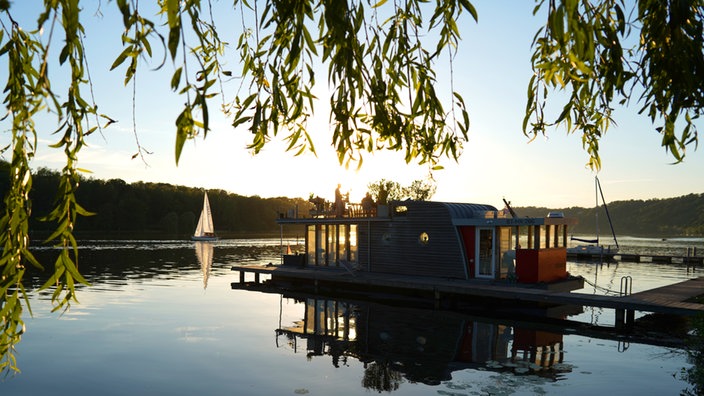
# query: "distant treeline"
[151,209]
[680,216]
[164,210]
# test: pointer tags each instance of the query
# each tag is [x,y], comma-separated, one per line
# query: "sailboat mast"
[596,207]
[608,216]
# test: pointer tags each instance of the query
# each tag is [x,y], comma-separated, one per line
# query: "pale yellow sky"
[491,72]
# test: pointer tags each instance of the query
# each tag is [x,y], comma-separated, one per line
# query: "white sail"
[205,228]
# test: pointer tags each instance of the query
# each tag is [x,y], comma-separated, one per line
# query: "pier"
[669,300]
[640,258]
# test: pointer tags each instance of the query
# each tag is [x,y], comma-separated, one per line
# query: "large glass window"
[320,245]
[506,260]
[342,238]
[485,252]
[310,245]
[353,244]
[332,245]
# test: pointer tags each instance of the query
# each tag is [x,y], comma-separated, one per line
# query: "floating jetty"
[639,258]
[670,300]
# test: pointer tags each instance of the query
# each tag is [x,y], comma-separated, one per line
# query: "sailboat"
[205,230]
[593,248]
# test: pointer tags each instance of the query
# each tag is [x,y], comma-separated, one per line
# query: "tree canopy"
[602,54]
[382,60]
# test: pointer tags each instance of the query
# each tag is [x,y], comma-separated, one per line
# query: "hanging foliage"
[382,59]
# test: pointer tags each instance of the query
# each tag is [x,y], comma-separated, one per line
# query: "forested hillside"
[164,210]
[152,209]
[680,216]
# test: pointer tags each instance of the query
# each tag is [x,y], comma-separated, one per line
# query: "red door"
[467,234]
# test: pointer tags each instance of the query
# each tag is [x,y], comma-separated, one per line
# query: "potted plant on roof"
[383,191]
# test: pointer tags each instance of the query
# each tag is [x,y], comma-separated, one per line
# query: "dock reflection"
[417,345]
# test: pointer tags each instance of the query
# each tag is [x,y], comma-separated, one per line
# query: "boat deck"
[670,300]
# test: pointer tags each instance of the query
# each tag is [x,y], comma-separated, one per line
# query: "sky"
[492,69]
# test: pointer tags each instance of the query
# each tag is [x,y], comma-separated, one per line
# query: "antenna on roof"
[510,209]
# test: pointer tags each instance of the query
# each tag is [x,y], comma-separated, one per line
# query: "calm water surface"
[152,323]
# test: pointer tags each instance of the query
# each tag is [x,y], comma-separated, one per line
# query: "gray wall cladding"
[395,246]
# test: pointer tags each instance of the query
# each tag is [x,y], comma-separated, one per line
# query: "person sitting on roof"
[367,205]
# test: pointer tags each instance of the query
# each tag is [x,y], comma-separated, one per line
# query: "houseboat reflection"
[417,345]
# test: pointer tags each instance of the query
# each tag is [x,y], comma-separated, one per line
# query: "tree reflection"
[695,374]
[381,377]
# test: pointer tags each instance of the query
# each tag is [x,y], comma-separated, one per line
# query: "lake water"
[151,323]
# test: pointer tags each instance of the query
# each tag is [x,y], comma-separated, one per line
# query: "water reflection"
[204,252]
[145,292]
[417,345]
[106,263]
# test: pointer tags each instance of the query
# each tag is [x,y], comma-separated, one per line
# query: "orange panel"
[541,265]
[524,339]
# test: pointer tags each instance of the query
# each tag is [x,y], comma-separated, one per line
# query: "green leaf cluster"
[583,50]
[384,191]
[381,77]
[27,92]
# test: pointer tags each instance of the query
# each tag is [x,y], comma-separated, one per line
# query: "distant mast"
[606,209]
[597,187]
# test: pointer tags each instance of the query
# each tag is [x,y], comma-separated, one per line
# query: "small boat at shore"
[593,249]
[205,231]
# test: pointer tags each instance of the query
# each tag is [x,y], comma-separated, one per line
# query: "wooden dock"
[639,258]
[671,300]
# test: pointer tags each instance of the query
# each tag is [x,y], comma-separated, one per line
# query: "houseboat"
[430,239]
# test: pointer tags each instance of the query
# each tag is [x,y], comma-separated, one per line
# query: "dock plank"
[667,300]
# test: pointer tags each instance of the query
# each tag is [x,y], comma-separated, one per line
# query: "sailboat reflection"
[418,345]
[204,252]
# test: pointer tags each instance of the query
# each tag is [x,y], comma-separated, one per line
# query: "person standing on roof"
[339,202]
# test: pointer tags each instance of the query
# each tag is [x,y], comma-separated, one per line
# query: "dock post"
[619,318]
[256,277]
[630,317]
[624,318]
[241,276]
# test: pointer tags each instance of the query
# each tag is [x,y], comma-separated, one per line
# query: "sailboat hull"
[204,238]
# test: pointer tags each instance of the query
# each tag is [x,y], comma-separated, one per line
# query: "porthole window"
[400,210]
[423,238]
[386,238]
